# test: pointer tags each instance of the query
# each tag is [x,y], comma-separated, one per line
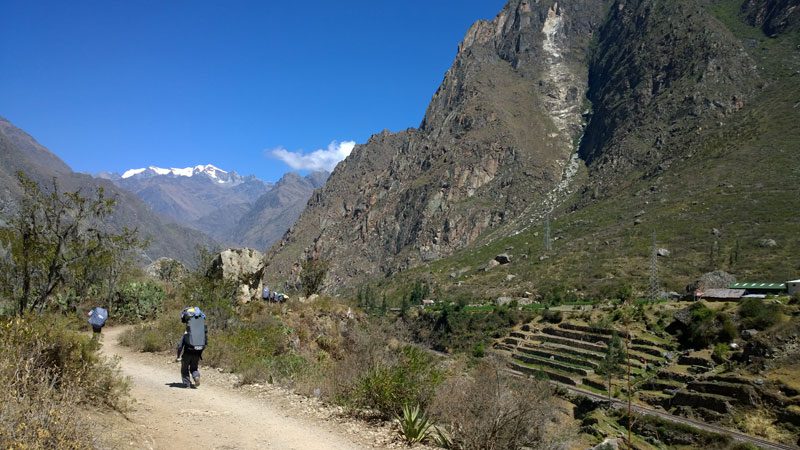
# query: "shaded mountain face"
[773,16]
[277,210]
[547,108]
[20,151]
[661,72]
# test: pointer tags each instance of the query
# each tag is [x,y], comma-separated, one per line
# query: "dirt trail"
[214,416]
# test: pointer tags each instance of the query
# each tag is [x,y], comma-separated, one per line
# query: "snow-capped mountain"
[222,203]
[208,170]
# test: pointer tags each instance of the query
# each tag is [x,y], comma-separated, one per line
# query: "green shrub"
[414,425]
[245,346]
[755,313]
[388,385]
[479,351]
[161,335]
[707,327]
[721,352]
[138,300]
[312,275]
[552,316]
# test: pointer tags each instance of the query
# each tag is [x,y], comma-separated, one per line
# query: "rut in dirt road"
[213,416]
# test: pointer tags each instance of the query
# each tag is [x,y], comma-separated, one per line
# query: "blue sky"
[113,85]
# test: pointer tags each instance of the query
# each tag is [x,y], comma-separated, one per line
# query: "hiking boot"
[196,381]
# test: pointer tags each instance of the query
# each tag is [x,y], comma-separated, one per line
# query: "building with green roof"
[760,288]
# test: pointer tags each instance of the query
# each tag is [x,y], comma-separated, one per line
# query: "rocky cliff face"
[543,91]
[498,136]
[773,16]
[660,74]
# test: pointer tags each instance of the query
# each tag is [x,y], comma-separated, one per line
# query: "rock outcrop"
[243,266]
[773,16]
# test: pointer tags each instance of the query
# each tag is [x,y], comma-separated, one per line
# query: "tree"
[58,240]
[612,363]
[312,275]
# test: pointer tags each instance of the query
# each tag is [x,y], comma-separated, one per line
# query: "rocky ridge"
[497,137]
[545,100]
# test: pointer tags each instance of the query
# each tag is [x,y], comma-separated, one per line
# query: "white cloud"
[322,159]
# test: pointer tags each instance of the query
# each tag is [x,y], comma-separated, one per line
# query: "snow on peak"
[132,172]
[208,169]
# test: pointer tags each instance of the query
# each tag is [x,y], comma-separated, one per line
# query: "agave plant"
[442,439]
[414,425]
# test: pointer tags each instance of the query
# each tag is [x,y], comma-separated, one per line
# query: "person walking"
[191,346]
[97,319]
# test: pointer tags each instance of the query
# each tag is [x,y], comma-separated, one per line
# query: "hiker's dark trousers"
[189,362]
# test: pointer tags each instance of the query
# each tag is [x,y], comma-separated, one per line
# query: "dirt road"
[214,416]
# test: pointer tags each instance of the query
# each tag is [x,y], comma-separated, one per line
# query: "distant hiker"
[192,344]
[97,319]
[265,294]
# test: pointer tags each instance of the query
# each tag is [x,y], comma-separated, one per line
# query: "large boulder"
[717,279]
[244,266]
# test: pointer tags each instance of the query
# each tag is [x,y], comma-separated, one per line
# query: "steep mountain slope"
[19,151]
[277,210]
[725,199]
[662,71]
[688,110]
[497,137]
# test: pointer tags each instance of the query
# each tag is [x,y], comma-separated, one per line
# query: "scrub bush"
[46,371]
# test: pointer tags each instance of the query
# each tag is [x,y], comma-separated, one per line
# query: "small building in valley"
[760,288]
[793,286]
[720,295]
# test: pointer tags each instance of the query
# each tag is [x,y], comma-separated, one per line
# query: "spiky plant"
[414,425]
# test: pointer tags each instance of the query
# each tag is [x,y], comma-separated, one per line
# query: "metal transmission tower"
[655,284]
[547,245]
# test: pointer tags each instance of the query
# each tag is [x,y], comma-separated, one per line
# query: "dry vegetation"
[48,373]
[367,364]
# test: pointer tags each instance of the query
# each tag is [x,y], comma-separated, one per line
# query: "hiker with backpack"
[192,344]
[97,319]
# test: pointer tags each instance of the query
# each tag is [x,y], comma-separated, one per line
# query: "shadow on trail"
[175,385]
